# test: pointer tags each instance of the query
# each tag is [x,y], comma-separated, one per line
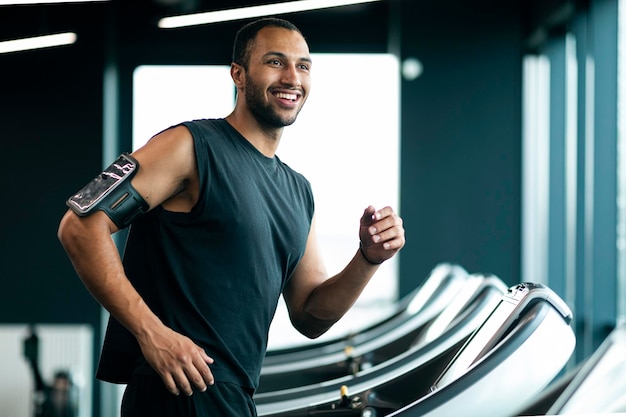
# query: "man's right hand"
[182,365]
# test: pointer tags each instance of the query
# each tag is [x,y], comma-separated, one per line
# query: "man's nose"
[291,76]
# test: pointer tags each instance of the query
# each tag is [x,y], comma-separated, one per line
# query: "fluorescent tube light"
[37,42]
[253,11]
[23,2]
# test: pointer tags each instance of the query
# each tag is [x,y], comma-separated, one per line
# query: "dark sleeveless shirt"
[215,274]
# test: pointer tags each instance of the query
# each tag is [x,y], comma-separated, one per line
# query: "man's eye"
[274,62]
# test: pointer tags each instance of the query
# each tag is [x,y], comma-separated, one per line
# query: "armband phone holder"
[112,192]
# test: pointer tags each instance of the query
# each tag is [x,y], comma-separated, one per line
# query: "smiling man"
[221,227]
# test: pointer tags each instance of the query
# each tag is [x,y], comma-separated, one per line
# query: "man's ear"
[237,74]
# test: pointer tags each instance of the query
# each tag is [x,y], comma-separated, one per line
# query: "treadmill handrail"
[385,371]
[443,282]
[474,284]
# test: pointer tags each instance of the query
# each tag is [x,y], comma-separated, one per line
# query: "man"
[226,227]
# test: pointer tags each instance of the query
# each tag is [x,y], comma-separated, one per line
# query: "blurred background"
[495,128]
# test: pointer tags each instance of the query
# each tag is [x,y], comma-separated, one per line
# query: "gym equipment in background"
[599,387]
[411,371]
[389,338]
[519,348]
[441,284]
[507,362]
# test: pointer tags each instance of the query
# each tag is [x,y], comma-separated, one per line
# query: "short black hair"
[246,35]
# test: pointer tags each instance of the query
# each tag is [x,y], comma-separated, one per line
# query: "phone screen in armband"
[86,200]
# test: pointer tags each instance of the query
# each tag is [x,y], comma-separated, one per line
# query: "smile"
[286,96]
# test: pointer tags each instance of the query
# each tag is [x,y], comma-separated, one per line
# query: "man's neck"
[265,139]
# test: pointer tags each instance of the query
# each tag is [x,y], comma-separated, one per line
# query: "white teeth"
[286,96]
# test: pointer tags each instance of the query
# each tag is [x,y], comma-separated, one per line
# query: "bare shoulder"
[167,148]
[167,165]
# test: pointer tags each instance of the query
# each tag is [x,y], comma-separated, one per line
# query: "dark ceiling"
[18,21]
[133,26]
[135,21]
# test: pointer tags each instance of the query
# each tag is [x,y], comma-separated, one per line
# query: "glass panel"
[165,95]
[535,160]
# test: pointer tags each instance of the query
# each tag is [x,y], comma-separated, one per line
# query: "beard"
[262,111]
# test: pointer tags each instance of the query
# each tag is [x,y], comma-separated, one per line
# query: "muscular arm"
[167,176]
[315,302]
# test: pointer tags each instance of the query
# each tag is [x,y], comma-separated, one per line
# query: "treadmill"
[307,366]
[353,358]
[442,283]
[518,348]
[599,386]
[413,368]
[507,362]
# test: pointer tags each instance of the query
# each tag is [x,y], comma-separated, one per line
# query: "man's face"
[277,80]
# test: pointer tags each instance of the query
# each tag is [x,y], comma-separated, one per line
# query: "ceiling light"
[253,11]
[22,2]
[37,42]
